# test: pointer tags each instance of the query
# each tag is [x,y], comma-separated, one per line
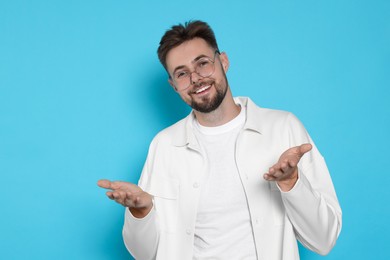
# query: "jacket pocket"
[165,192]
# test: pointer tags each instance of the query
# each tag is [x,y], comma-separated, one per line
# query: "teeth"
[202,89]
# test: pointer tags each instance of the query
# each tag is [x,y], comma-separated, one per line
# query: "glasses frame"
[190,72]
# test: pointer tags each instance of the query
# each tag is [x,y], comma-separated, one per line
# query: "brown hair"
[180,33]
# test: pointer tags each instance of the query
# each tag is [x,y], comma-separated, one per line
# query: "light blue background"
[82,94]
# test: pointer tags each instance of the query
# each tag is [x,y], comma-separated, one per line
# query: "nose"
[194,77]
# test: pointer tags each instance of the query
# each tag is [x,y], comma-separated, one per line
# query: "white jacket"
[174,173]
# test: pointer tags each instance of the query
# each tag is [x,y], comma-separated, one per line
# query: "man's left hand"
[285,171]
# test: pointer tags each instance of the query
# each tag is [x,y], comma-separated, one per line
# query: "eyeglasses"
[204,67]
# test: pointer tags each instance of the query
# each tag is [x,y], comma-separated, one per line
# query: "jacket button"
[258,221]
[195,185]
[188,231]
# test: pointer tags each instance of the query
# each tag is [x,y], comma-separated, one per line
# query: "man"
[229,181]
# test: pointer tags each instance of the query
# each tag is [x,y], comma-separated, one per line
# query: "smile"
[202,89]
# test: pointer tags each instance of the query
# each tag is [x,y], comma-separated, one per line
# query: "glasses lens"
[182,79]
[204,67]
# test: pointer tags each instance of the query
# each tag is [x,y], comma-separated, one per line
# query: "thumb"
[304,148]
[106,184]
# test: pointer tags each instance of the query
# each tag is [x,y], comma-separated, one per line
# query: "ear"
[224,61]
[172,84]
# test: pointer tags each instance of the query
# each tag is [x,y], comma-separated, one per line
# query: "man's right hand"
[129,195]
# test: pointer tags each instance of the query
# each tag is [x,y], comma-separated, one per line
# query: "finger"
[274,168]
[109,195]
[285,166]
[136,200]
[123,185]
[131,201]
[292,163]
[275,171]
[277,174]
[106,184]
[116,195]
[120,197]
[304,148]
[117,185]
[269,177]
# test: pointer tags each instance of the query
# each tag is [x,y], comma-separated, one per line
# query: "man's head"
[195,66]
[179,34]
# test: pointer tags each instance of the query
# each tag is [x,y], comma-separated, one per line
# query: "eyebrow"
[195,60]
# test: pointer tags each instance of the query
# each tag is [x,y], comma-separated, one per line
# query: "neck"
[227,111]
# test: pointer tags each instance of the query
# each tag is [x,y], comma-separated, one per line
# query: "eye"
[181,74]
[203,63]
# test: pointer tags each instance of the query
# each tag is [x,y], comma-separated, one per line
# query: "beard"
[209,104]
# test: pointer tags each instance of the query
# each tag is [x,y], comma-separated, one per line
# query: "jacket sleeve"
[312,206]
[141,236]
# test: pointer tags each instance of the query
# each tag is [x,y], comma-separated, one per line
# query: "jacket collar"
[184,134]
[253,122]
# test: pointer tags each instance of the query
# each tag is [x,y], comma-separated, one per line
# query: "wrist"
[140,212]
[287,184]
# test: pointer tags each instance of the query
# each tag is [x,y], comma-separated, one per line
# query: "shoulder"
[276,124]
[266,119]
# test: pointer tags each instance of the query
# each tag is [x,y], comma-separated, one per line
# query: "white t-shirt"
[223,229]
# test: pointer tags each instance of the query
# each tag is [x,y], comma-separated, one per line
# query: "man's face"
[204,94]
